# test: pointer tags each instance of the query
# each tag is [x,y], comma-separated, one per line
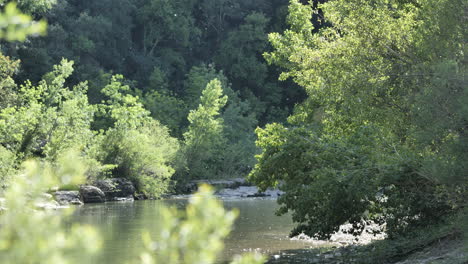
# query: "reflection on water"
[121,225]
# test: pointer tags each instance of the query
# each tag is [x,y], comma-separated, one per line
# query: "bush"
[138,147]
[144,155]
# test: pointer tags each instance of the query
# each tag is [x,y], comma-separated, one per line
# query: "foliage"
[143,155]
[239,57]
[135,37]
[169,21]
[203,120]
[32,6]
[223,146]
[327,182]
[164,104]
[15,25]
[197,80]
[161,47]
[8,68]
[7,167]
[168,109]
[49,118]
[364,145]
[204,139]
[139,147]
[239,123]
[21,241]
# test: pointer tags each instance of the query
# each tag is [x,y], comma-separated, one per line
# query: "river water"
[121,224]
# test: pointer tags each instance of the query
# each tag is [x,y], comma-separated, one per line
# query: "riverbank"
[122,190]
[117,189]
[436,245]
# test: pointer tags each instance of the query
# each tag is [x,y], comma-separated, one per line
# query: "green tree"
[239,121]
[170,110]
[15,26]
[48,118]
[239,125]
[139,147]
[8,68]
[43,112]
[240,57]
[351,149]
[204,139]
[196,81]
[164,21]
[242,62]
[164,104]
[71,123]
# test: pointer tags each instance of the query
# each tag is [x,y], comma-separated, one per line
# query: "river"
[121,224]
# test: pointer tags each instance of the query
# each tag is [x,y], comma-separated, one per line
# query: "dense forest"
[164,49]
[102,62]
[72,92]
[356,109]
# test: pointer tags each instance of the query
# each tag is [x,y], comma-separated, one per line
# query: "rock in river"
[116,188]
[92,194]
[68,197]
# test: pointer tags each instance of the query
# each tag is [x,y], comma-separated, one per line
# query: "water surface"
[121,224]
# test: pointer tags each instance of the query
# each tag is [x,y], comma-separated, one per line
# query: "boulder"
[116,188]
[68,197]
[92,194]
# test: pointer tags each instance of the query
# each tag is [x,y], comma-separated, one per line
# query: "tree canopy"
[361,147]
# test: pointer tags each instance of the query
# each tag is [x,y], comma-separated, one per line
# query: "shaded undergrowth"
[444,244]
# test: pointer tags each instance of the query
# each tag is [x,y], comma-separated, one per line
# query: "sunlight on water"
[121,224]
